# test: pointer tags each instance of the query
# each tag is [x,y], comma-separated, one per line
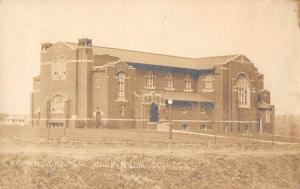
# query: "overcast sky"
[266,31]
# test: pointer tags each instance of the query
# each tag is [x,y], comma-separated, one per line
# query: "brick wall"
[89,91]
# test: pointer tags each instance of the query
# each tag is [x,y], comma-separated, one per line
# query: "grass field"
[102,158]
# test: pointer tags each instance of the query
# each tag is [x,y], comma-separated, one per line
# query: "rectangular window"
[150,81]
[169,81]
[121,86]
[208,83]
[188,83]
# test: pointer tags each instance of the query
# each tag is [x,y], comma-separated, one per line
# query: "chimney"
[85,42]
[45,46]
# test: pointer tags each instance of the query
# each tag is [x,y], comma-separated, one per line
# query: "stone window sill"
[121,100]
[244,107]
[208,90]
[57,112]
[170,89]
[190,90]
[150,87]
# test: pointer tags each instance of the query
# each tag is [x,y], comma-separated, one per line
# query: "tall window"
[268,116]
[208,82]
[243,88]
[169,81]
[57,104]
[188,83]
[98,83]
[63,67]
[58,68]
[121,86]
[122,110]
[54,67]
[150,81]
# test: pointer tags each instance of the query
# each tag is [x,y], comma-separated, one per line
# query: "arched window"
[59,68]
[243,89]
[57,104]
[121,86]
[63,67]
[150,81]
[188,83]
[54,67]
[169,81]
[98,83]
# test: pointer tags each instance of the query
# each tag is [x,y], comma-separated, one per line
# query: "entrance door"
[98,119]
[153,113]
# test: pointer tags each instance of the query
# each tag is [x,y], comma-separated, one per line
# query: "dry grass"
[89,158]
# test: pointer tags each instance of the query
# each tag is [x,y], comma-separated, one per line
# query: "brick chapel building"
[81,85]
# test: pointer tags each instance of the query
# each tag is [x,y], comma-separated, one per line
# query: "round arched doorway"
[153,112]
[98,119]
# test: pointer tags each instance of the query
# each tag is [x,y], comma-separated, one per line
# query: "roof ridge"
[141,57]
[192,58]
[219,56]
[137,51]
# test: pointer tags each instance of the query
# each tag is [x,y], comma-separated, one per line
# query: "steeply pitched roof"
[161,60]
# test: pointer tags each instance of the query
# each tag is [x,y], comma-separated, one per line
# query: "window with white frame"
[57,104]
[121,86]
[150,81]
[208,82]
[169,81]
[188,83]
[243,90]
[58,68]
[268,116]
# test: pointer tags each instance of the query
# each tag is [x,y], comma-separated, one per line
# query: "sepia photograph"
[150,94]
